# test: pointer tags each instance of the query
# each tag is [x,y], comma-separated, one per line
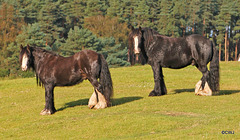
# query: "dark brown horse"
[162,51]
[54,70]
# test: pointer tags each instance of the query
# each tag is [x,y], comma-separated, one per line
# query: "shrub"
[4,72]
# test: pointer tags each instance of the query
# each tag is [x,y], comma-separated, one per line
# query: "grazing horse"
[54,70]
[162,51]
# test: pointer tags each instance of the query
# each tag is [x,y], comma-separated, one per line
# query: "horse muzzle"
[24,68]
[136,51]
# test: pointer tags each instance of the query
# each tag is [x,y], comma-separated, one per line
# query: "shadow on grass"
[74,103]
[123,100]
[177,91]
[227,92]
[222,92]
[115,102]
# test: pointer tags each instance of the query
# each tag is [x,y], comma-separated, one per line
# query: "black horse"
[55,70]
[162,51]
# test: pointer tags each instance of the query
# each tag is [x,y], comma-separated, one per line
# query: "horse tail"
[214,70]
[105,79]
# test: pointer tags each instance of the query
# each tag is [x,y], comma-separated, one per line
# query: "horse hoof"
[100,105]
[45,112]
[91,106]
[203,92]
[152,93]
[93,100]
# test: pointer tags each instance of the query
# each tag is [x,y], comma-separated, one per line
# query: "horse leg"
[162,83]
[49,101]
[202,87]
[101,100]
[93,100]
[159,87]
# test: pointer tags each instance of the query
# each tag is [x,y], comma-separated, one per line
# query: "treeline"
[68,26]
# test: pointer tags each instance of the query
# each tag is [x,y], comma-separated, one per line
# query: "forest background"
[68,26]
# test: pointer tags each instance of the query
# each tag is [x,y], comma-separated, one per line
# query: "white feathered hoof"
[92,101]
[102,102]
[202,92]
[45,112]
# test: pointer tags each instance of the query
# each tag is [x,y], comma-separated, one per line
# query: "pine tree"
[223,23]
[32,35]
[74,11]
[166,23]
[116,56]
[180,16]
[126,13]
[141,14]
[194,19]
[236,28]
[154,11]
[114,8]
[96,7]
[206,17]
[28,9]
[79,39]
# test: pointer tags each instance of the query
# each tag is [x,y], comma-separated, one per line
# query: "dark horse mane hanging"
[54,70]
[42,53]
[162,51]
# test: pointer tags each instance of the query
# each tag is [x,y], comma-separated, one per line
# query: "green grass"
[134,115]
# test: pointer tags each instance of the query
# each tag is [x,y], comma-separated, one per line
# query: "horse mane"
[41,52]
[148,34]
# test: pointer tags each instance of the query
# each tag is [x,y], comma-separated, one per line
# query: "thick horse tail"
[105,79]
[214,70]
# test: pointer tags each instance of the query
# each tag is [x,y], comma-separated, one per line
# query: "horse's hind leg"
[102,102]
[159,87]
[202,87]
[93,100]
[97,100]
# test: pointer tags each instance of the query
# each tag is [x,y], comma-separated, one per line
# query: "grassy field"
[133,115]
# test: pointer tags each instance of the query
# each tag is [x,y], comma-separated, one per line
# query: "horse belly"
[68,76]
[177,61]
[68,80]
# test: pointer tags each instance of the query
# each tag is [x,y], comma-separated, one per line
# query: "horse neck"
[39,56]
[148,43]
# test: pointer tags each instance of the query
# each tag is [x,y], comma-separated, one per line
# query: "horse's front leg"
[159,87]
[49,101]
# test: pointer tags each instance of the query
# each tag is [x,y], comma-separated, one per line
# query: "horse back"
[170,52]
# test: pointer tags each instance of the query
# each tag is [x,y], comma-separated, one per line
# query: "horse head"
[25,57]
[136,37]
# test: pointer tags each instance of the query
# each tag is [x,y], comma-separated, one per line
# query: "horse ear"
[131,27]
[140,28]
[21,47]
[28,48]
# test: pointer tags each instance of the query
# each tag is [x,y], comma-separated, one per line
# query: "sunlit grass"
[133,115]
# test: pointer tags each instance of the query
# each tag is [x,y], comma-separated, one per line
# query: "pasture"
[133,115]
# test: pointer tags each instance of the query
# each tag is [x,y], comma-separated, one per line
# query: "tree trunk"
[236,51]
[220,45]
[193,28]
[226,59]
[203,31]
[184,31]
